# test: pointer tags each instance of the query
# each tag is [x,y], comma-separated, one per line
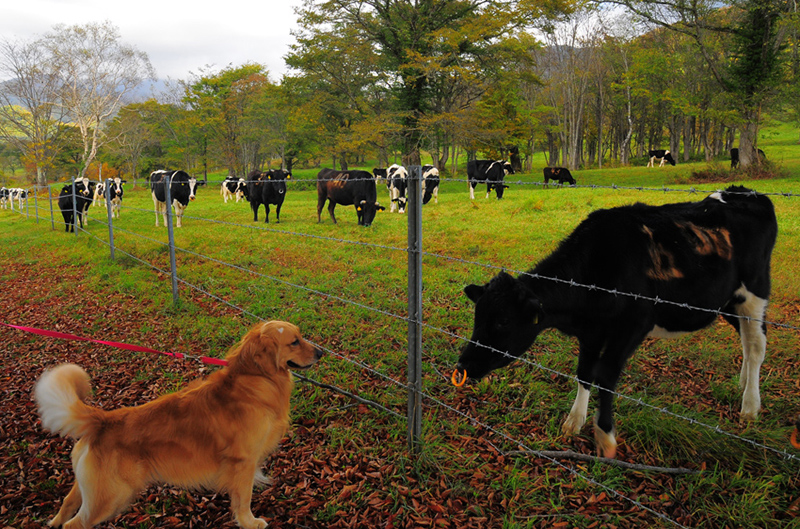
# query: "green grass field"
[345,286]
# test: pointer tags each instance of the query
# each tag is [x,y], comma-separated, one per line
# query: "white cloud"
[178,37]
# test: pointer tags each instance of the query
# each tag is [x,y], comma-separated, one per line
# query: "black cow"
[273,191]
[233,188]
[378,173]
[267,188]
[660,154]
[182,190]
[488,171]
[397,182]
[713,254]
[513,157]
[735,157]
[79,202]
[430,184]
[346,188]
[559,174]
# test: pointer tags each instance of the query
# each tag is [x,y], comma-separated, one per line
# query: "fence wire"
[398,384]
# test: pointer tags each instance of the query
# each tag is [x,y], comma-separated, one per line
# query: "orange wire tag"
[794,439]
[455,378]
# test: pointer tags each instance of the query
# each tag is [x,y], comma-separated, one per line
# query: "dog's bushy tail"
[60,394]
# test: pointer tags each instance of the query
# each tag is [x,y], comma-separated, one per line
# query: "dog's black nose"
[318,353]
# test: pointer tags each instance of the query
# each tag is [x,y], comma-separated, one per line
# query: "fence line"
[537,365]
[411,319]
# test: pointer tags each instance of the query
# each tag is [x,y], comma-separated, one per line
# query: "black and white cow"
[5,195]
[267,188]
[233,188]
[735,157]
[99,195]
[115,193]
[347,188]
[79,202]
[559,174]
[489,171]
[18,195]
[694,257]
[660,154]
[430,184]
[397,182]
[182,190]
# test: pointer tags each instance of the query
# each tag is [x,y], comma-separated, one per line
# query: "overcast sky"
[178,36]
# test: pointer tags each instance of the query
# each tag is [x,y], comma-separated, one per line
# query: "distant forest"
[586,84]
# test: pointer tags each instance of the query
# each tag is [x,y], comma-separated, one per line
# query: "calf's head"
[507,321]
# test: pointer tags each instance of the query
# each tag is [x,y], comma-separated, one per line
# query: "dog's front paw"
[251,523]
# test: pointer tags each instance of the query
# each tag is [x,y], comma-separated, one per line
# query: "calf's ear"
[474,292]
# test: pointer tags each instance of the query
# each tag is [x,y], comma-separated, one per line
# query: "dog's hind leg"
[68,509]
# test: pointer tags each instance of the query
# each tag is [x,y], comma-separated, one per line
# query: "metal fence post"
[172,265]
[110,221]
[36,202]
[50,200]
[414,196]
[74,209]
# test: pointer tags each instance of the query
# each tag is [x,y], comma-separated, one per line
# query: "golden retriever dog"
[213,434]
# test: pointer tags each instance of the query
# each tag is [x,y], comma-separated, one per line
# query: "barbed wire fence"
[416,394]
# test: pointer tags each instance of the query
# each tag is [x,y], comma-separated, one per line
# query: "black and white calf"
[397,182]
[79,202]
[559,174]
[115,193]
[430,184]
[233,188]
[660,154]
[488,171]
[182,190]
[695,257]
[5,195]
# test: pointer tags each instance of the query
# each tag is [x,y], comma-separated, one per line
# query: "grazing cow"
[182,189]
[346,188]
[513,157]
[397,182]
[490,172]
[735,157]
[79,203]
[660,154]
[5,195]
[430,184]
[267,188]
[692,258]
[233,187]
[560,174]
[19,195]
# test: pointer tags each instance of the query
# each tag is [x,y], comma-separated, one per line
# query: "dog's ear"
[255,354]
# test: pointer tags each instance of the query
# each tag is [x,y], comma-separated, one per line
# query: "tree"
[747,68]
[30,118]
[412,38]
[97,74]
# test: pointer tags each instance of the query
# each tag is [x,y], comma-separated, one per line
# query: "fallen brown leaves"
[317,483]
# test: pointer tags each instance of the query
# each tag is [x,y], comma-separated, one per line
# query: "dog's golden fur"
[213,434]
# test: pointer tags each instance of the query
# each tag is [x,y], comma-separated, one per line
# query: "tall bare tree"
[30,119]
[99,74]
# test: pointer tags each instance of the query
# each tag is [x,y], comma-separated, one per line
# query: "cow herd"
[268,188]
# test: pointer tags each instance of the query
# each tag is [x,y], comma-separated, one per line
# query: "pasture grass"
[350,297]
